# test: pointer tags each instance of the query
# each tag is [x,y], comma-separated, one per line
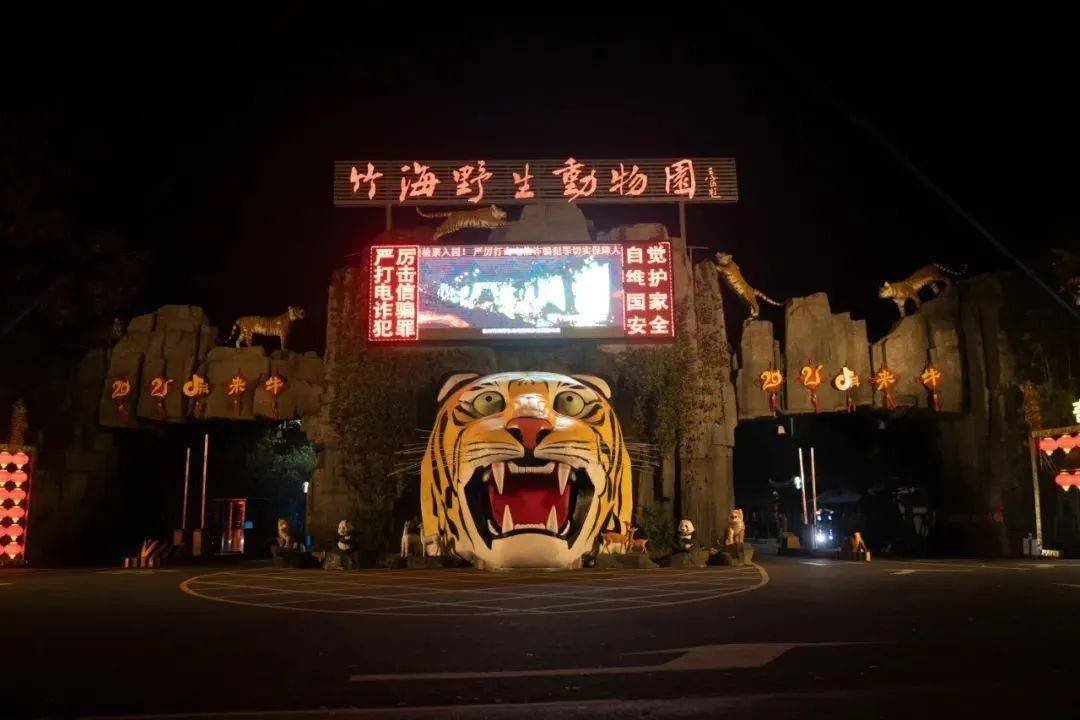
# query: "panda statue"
[684,536]
[343,555]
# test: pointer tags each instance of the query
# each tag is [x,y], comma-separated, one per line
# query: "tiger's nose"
[529,431]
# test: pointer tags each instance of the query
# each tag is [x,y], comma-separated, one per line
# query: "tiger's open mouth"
[529,496]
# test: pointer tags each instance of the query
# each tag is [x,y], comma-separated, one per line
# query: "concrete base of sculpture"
[394,561]
[622,562]
[693,558]
[739,555]
[338,560]
[293,558]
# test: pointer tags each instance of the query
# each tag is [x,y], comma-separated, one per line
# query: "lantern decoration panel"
[274,385]
[846,381]
[15,473]
[883,381]
[811,380]
[931,379]
[196,388]
[771,381]
[159,390]
[236,388]
[120,392]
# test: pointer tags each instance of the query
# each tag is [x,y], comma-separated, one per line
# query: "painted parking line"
[912,571]
[730,656]
[137,571]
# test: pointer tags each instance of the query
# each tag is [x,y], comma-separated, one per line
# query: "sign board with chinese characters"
[509,182]
[469,292]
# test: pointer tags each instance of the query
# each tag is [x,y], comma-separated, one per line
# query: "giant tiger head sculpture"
[524,469]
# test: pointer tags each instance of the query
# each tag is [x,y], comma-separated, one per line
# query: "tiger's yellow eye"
[488,403]
[569,403]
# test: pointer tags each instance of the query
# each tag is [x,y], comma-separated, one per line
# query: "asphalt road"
[796,638]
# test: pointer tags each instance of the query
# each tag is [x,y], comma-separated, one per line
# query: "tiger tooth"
[552,521]
[564,476]
[508,520]
[491,528]
[498,471]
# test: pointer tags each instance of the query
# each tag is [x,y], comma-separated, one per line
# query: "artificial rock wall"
[814,335]
[962,333]
[175,342]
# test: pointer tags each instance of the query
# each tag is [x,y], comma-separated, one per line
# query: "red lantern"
[4,495]
[5,476]
[13,550]
[1067,442]
[1048,445]
[20,459]
[14,512]
[1066,480]
[5,458]
[19,477]
[18,495]
[15,531]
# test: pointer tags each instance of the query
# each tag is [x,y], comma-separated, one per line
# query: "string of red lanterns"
[14,502]
[1068,479]
[1064,442]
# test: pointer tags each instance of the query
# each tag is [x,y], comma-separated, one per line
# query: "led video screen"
[467,292]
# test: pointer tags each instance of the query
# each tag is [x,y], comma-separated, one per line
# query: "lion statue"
[285,538]
[736,529]
[525,469]
[411,544]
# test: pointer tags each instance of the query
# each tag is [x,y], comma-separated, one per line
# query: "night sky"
[208,135]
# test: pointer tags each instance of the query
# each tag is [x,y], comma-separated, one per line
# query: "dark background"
[207,134]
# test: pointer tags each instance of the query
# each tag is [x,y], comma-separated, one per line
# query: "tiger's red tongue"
[530,498]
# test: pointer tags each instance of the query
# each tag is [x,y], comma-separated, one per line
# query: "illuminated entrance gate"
[534,279]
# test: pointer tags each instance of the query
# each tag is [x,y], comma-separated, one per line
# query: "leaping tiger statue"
[245,328]
[491,217]
[524,470]
[732,274]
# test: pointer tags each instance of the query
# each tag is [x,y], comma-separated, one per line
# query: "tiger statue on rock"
[492,217]
[245,328]
[934,275]
[524,470]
